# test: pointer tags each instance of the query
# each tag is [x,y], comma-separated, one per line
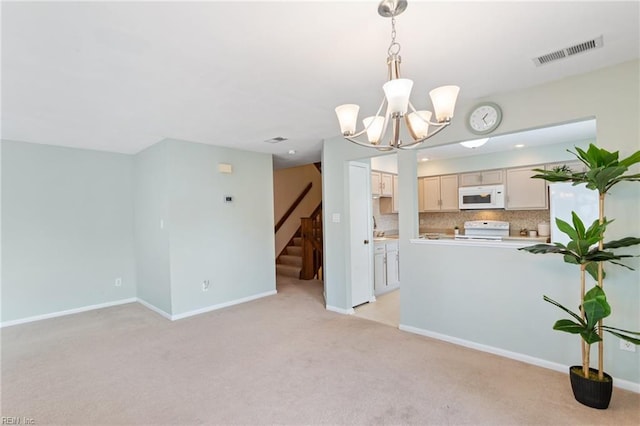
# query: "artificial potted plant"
[588,249]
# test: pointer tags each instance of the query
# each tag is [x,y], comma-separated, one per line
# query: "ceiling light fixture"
[520,145]
[397,91]
[474,143]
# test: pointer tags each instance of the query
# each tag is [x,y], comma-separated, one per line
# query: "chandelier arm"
[367,144]
[363,131]
[419,141]
[431,123]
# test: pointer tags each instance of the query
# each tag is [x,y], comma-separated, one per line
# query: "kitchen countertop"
[512,241]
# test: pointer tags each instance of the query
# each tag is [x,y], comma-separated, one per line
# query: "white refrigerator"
[565,198]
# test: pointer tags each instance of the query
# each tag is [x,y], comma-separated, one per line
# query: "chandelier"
[397,91]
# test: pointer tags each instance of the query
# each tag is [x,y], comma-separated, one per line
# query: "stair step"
[297,241]
[288,270]
[294,250]
[287,259]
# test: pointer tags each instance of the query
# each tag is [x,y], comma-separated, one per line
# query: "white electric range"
[491,230]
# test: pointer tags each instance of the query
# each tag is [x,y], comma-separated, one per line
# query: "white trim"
[68,312]
[619,383]
[153,308]
[349,311]
[222,305]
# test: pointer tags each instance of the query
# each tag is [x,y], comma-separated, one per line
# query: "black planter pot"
[592,393]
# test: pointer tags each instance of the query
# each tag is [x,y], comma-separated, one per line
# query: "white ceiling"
[121,76]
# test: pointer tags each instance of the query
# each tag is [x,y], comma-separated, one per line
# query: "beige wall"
[287,185]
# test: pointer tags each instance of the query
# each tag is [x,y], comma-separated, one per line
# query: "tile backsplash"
[518,219]
[385,222]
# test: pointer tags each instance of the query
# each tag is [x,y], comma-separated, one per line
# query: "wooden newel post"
[306,230]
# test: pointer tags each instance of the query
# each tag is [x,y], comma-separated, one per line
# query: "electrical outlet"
[118,282]
[627,346]
[205,285]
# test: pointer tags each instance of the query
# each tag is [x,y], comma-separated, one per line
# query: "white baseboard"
[153,308]
[340,310]
[67,312]
[222,305]
[619,383]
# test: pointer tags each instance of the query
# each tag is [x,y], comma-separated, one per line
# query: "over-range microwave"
[481,197]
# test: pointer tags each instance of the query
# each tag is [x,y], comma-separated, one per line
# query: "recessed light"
[520,145]
[292,151]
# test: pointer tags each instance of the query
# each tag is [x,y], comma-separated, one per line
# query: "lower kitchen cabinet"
[386,261]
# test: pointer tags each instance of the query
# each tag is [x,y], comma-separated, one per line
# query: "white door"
[361,237]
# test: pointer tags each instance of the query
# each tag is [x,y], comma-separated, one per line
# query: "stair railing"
[311,232]
[293,206]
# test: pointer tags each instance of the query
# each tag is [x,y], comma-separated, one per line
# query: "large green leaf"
[630,160]
[565,228]
[624,242]
[567,310]
[595,306]
[568,326]
[592,269]
[590,336]
[619,333]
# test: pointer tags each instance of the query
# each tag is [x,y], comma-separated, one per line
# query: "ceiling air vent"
[569,51]
[277,139]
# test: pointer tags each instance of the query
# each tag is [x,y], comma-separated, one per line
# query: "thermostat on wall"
[228,199]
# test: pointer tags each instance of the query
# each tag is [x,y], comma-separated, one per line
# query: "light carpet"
[283,359]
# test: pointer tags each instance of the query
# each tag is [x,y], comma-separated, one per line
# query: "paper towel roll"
[544,229]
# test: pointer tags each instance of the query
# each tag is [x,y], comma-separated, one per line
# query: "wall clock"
[484,118]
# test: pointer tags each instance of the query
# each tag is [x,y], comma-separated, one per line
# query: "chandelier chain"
[394,47]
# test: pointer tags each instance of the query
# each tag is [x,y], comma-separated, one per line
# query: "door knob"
[366,241]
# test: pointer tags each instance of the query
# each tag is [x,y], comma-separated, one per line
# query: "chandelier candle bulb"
[347,116]
[418,124]
[444,101]
[397,93]
[374,127]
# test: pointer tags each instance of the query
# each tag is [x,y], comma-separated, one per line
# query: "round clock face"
[484,118]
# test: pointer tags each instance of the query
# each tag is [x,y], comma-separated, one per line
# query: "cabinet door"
[395,194]
[471,179]
[420,194]
[487,177]
[449,193]
[431,194]
[393,270]
[524,193]
[376,183]
[379,272]
[491,177]
[387,185]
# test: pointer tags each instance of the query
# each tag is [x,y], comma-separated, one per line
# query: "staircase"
[290,261]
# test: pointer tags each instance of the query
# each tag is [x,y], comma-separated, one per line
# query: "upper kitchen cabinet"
[524,193]
[390,204]
[439,193]
[486,177]
[395,194]
[376,184]
[381,184]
